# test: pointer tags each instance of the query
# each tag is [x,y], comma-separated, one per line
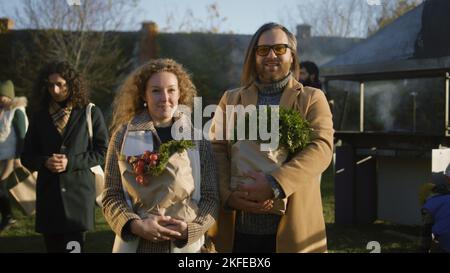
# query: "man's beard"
[267,76]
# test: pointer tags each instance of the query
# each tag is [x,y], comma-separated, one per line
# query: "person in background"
[435,201]
[58,146]
[309,75]
[13,126]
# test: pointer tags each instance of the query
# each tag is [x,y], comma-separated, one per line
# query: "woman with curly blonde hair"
[143,116]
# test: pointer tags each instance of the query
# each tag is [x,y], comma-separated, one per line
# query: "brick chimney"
[147,45]
[303,31]
[6,25]
[150,26]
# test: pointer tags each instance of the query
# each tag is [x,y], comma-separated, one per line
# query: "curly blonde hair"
[129,98]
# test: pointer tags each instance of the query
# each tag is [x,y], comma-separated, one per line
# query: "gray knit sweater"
[263,224]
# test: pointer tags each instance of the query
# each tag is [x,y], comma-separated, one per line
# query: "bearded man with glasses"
[245,224]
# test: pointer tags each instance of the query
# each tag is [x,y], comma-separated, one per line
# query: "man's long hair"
[249,71]
[78,94]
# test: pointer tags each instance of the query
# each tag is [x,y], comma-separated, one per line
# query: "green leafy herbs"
[167,149]
[154,163]
[294,130]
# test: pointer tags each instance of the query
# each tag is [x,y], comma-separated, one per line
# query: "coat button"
[63,190]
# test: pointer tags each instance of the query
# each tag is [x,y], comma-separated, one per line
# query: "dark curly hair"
[78,94]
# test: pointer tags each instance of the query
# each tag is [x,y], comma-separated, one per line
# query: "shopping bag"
[22,186]
[96,170]
[246,155]
[99,184]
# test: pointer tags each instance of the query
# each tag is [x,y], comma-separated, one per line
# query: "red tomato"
[140,179]
[139,167]
[154,157]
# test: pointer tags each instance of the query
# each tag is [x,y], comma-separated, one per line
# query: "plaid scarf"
[60,116]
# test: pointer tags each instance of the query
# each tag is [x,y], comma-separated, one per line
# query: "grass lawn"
[392,238]
[22,238]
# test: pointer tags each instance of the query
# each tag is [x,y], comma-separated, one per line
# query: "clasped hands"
[255,197]
[57,163]
[159,228]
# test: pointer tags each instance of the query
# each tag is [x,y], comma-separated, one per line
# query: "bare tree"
[344,18]
[190,23]
[391,11]
[347,18]
[79,34]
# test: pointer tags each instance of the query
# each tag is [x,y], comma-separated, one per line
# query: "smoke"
[384,98]
[414,105]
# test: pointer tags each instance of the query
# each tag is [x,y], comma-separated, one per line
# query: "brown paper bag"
[99,184]
[22,186]
[246,155]
[167,194]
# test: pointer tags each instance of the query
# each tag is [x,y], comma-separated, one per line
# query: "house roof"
[413,45]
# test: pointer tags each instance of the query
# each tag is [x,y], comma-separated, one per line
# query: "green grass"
[392,238]
[21,237]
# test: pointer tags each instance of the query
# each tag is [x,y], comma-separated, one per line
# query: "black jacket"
[65,201]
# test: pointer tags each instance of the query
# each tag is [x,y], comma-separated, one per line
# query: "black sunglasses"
[278,49]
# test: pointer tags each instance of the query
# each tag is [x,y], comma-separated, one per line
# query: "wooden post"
[361,107]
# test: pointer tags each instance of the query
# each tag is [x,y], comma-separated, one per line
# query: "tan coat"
[302,229]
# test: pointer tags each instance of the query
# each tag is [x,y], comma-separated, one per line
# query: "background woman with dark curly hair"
[57,145]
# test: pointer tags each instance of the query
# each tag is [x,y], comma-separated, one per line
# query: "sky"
[240,14]
[243,16]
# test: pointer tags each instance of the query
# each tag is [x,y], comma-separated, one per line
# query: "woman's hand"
[179,226]
[57,163]
[17,163]
[153,228]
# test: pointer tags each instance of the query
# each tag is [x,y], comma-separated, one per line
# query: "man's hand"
[57,163]
[238,200]
[260,190]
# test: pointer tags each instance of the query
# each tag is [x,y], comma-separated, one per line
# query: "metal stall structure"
[390,104]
